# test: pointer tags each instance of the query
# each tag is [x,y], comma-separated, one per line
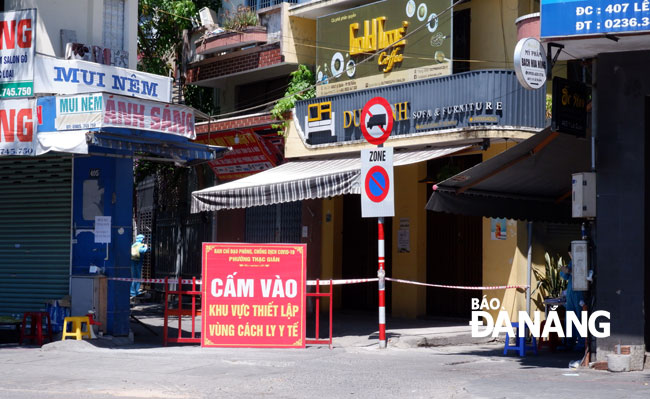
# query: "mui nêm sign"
[56,76]
[97,110]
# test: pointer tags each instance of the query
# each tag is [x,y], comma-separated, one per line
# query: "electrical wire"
[445,11]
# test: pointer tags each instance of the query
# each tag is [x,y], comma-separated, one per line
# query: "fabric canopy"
[531,181]
[300,180]
[177,149]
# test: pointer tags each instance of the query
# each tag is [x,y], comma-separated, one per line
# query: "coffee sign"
[383,43]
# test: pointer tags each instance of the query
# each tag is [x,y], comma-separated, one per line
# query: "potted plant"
[241,20]
[550,283]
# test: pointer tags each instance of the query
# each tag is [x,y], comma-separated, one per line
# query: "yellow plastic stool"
[76,322]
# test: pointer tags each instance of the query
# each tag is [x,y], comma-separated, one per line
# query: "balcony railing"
[259,4]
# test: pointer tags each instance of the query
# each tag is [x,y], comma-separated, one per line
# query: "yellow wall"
[410,197]
[332,244]
[299,37]
[505,262]
[493,31]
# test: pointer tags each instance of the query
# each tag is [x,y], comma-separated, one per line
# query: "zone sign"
[377,198]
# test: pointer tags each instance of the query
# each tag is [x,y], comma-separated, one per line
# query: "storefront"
[440,126]
[67,189]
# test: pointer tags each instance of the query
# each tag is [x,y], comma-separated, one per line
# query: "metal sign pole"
[378,112]
[381,274]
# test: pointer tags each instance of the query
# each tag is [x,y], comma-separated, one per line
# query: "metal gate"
[35,214]
[274,223]
[177,248]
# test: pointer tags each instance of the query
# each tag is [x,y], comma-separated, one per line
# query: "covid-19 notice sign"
[253,295]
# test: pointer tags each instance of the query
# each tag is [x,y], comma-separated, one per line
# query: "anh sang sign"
[55,76]
[96,110]
[253,295]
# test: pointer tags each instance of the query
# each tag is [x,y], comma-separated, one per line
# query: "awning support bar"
[515,161]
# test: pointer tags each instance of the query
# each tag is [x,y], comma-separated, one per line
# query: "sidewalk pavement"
[356,329]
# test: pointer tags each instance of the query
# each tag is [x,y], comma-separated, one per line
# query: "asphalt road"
[80,369]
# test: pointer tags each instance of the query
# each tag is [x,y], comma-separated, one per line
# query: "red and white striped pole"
[381,275]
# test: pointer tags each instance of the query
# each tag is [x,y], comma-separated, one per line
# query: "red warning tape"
[341,282]
[459,287]
[338,282]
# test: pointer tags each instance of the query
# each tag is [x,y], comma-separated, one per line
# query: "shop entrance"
[454,247]
[360,256]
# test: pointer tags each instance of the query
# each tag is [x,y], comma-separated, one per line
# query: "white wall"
[85,17]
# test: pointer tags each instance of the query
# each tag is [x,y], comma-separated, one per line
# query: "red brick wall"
[266,55]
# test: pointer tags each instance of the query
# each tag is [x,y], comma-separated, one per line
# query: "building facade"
[454,102]
[74,114]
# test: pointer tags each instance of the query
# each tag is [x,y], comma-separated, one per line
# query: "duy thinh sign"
[253,295]
[377,198]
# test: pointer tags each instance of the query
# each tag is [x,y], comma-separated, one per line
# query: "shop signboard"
[17,46]
[530,63]
[476,99]
[56,76]
[408,39]
[250,153]
[569,109]
[253,295]
[97,110]
[561,18]
[18,127]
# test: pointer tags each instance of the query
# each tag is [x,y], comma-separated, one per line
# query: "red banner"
[250,153]
[253,295]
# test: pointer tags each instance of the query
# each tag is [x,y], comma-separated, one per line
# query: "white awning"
[300,180]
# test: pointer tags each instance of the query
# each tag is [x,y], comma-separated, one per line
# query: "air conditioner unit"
[208,16]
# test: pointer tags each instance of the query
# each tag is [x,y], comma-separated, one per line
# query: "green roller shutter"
[35,206]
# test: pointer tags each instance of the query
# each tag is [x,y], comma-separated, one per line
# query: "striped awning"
[299,180]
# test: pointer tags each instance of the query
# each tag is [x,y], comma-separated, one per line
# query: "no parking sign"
[377,197]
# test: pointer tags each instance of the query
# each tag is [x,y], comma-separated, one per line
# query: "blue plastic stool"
[520,346]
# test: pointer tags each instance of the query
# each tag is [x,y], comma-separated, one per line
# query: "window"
[113,32]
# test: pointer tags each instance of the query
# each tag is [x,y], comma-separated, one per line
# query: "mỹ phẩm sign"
[253,295]
[95,110]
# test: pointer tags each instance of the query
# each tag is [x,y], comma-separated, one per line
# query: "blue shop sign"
[561,18]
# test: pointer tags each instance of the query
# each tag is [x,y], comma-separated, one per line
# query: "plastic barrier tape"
[338,282]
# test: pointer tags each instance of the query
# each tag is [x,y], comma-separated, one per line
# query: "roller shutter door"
[35,207]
